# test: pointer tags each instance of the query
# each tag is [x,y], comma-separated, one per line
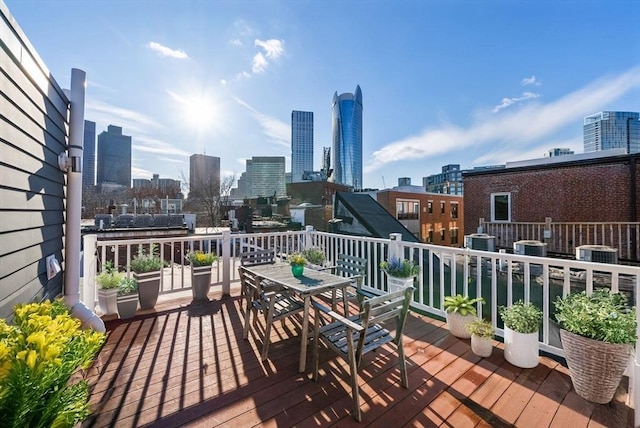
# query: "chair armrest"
[336,316]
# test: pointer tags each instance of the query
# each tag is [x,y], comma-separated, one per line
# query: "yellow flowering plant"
[38,355]
[200,258]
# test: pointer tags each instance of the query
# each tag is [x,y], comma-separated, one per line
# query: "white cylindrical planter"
[521,349]
[396,284]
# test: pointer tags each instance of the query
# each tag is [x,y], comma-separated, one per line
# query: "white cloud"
[223,82]
[519,130]
[259,63]
[273,48]
[151,145]
[131,121]
[277,131]
[236,42]
[527,81]
[506,102]
[166,51]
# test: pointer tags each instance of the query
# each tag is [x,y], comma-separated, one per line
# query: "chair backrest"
[384,307]
[258,257]
[350,266]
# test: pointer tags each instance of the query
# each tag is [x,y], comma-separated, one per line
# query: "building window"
[454,210]
[430,206]
[430,239]
[442,207]
[501,207]
[441,235]
[454,235]
[407,210]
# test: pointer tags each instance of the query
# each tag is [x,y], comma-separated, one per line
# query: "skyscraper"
[612,130]
[114,157]
[301,144]
[266,176]
[347,139]
[204,174]
[89,154]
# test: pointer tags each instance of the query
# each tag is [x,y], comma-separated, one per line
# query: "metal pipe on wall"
[74,206]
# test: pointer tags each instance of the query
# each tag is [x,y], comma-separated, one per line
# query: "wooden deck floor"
[187,365]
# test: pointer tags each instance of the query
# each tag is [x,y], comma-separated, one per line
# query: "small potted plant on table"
[297,262]
[147,270]
[127,297]
[598,333]
[460,312]
[200,273]
[521,325]
[482,333]
[400,273]
[315,257]
[108,281]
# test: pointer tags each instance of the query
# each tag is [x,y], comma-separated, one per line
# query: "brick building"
[434,218]
[577,188]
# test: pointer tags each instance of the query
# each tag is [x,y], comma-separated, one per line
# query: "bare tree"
[209,198]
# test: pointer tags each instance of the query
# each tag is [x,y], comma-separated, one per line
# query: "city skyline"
[457,82]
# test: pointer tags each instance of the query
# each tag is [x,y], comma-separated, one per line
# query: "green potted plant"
[297,262]
[108,281]
[400,273]
[314,256]
[521,325]
[127,297]
[598,333]
[460,311]
[147,270]
[482,333]
[200,273]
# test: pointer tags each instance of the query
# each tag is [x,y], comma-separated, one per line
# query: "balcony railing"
[564,237]
[499,278]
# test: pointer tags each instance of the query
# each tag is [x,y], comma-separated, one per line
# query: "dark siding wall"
[580,192]
[33,130]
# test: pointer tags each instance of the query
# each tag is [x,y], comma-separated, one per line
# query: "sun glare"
[197,111]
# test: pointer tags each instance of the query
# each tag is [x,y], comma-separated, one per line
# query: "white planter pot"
[108,301]
[521,349]
[457,324]
[396,284]
[481,346]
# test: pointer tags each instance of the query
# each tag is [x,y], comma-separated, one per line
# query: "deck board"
[187,365]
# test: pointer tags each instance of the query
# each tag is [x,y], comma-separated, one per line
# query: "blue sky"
[469,82]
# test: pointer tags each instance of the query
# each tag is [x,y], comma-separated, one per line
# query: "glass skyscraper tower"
[114,157]
[301,144]
[346,152]
[612,130]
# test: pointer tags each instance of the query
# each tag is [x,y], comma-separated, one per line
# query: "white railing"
[500,278]
[565,237]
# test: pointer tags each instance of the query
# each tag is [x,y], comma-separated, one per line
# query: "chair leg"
[353,367]
[247,316]
[404,381]
[267,332]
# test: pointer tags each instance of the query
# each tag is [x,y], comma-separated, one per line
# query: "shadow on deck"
[187,365]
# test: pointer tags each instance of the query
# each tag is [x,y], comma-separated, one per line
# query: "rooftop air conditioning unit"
[480,241]
[530,248]
[597,254]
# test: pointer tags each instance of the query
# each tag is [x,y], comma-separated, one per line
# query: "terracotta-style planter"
[595,367]
[457,324]
[108,301]
[148,288]
[481,346]
[200,282]
[521,349]
[127,305]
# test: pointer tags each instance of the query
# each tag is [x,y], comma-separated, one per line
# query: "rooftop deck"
[186,365]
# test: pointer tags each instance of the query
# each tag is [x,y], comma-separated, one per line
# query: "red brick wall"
[577,192]
[435,220]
